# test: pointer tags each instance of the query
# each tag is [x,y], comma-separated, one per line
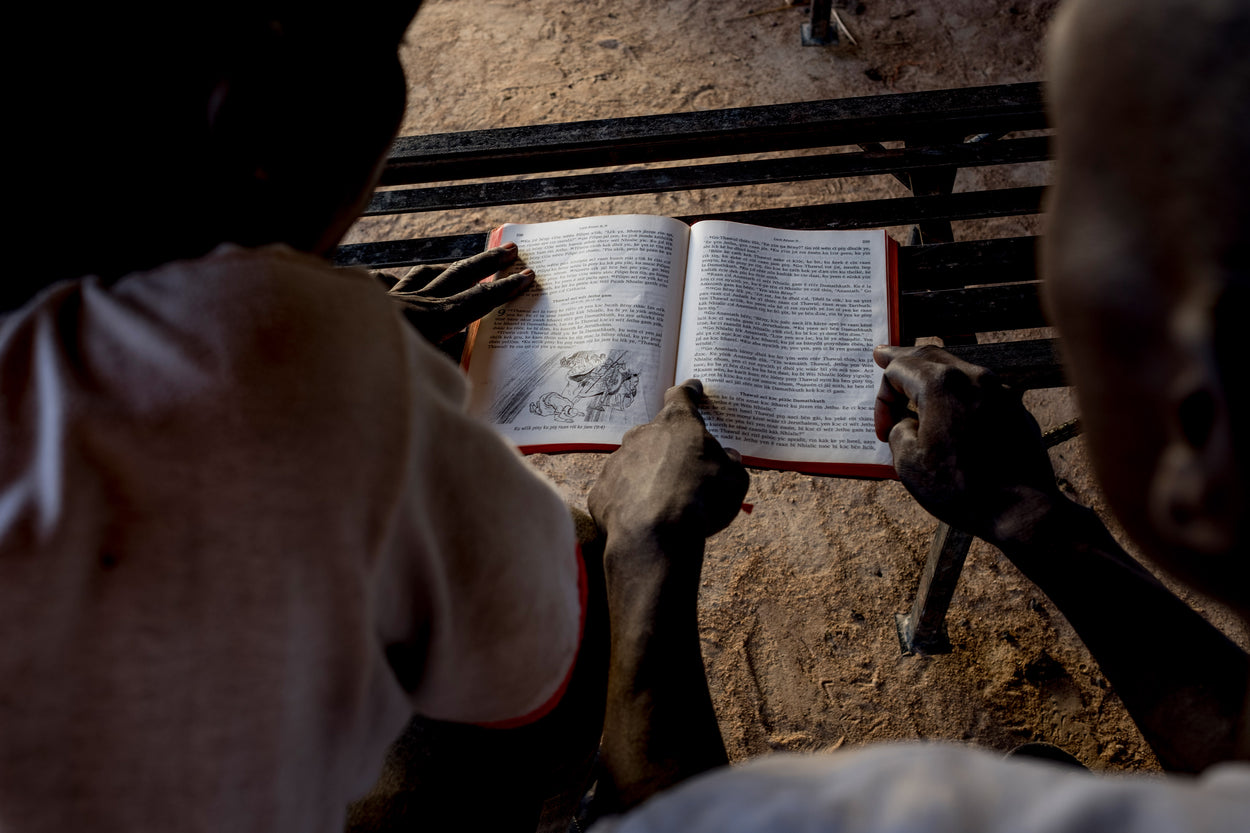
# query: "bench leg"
[933,183]
[923,629]
[820,31]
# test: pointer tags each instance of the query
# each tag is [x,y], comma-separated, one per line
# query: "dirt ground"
[799,597]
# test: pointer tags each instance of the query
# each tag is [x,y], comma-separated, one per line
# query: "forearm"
[659,727]
[1183,682]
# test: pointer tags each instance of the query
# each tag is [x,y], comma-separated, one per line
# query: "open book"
[778,325]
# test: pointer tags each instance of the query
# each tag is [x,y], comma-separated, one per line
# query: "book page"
[589,349]
[780,326]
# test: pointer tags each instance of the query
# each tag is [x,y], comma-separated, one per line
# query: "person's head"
[1146,262]
[154,135]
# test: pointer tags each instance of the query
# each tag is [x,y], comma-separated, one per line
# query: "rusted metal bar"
[603,142]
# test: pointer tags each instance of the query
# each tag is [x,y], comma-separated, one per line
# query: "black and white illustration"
[580,386]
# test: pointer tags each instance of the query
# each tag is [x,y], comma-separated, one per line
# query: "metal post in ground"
[820,31]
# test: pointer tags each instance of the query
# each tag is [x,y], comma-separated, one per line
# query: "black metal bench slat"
[391,254]
[967,263]
[978,309]
[1025,365]
[896,211]
[719,175]
[606,142]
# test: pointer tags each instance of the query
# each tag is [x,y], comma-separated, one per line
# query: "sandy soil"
[798,598]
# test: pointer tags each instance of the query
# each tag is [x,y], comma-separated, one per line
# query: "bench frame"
[949,290]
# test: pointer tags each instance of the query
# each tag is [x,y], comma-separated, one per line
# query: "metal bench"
[949,289]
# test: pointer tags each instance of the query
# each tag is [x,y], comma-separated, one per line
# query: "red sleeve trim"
[544,709]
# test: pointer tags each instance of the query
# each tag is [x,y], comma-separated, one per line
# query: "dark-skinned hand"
[963,443]
[670,477]
[440,301]
[661,494]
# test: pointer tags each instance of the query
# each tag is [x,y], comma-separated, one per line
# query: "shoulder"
[271,303]
[233,313]
[936,788]
[283,331]
[261,370]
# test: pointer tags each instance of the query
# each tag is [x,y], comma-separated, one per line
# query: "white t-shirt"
[939,788]
[245,531]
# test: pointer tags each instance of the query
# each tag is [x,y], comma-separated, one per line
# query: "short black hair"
[112,108]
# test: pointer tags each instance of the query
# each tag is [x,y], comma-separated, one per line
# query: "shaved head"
[1146,265]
